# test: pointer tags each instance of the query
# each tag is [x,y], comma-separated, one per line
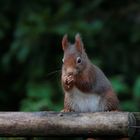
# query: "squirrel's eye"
[79,60]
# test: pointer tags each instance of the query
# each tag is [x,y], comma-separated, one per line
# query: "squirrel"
[86,88]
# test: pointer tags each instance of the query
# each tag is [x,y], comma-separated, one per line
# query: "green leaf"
[119,85]
[129,106]
[23,53]
[39,96]
[136,89]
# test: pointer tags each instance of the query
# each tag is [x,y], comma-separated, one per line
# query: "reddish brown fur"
[85,80]
[65,42]
[71,62]
[111,100]
[78,43]
[67,106]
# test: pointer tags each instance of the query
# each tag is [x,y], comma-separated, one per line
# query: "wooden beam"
[67,124]
[137,126]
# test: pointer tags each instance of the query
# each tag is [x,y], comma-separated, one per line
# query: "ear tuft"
[65,42]
[77,36]
[78,42]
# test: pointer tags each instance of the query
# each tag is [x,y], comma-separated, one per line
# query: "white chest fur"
[84,102]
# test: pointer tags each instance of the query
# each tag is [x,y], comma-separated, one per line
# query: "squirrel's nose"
[70,71]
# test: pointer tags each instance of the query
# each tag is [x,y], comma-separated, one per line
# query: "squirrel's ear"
[78,42]
[65,42]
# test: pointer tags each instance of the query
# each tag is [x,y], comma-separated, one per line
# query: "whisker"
[53,72]
[48,76]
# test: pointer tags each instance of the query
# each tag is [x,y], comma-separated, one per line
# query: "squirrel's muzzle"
[71,71]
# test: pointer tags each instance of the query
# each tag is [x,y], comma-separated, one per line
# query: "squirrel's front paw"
[67,110]
[68,81]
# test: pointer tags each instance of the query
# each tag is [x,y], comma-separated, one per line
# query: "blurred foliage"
[30,49]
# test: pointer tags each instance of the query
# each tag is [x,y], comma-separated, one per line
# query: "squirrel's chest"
[84,102]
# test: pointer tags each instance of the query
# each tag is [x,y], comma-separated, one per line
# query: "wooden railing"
[119,124]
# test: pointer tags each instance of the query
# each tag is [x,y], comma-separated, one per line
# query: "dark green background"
[31,54]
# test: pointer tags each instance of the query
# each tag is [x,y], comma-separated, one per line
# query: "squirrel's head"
[75,58]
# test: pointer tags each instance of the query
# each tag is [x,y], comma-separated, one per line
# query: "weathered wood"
[137,126]
[66,124]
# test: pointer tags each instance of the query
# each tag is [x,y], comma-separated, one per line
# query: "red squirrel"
[85,86]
